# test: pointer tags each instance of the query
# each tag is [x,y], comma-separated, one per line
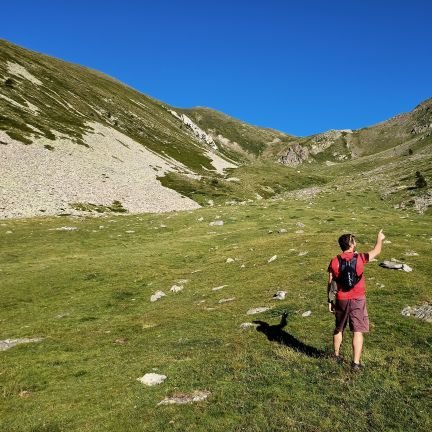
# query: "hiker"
[346,294]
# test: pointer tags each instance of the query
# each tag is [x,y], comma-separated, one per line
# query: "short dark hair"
[345,241]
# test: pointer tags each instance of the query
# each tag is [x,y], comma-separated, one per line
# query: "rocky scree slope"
[72,139]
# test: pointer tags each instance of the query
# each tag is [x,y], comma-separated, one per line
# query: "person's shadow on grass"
[275,333]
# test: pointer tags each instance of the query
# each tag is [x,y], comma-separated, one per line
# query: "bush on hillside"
[9,82]
[420,180]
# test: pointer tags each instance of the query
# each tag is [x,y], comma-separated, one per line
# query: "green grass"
[81,290]
[265,179]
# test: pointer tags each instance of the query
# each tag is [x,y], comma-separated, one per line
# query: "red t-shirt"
[359,290]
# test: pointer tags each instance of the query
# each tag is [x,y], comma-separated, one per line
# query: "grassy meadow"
[87,291]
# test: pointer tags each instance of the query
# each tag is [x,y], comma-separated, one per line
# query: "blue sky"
[301,67]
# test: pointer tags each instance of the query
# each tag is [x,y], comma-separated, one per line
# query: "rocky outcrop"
[295,155]
[196,130]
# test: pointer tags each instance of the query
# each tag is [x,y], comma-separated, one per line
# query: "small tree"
[420,180]
[9,82]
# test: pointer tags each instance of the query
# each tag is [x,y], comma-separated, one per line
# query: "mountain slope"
[400,133]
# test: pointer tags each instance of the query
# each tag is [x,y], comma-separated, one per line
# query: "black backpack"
[348,277]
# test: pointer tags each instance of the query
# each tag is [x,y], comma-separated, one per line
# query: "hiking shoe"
[357,367]
[338,359]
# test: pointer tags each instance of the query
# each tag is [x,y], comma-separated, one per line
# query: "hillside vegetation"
[83,286]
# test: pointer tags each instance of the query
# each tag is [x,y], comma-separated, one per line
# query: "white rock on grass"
[280,295]
[219,287]
[303,253]
[273,258]
[216,223]
[157,295]
[229,260]
[9,343]
[152,379]
[176,288]
[64,228]
[411,253]
[423,312]
[184,398]
[247,325]
[307,313]
[257,310]
[226,300]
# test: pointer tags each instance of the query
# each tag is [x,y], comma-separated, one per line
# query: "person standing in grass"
[347,294]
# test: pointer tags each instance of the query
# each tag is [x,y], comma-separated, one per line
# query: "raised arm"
[378,246]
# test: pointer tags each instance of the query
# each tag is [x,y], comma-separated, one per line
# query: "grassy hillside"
[400,134]
[87,291]
[252,140]
[63,97]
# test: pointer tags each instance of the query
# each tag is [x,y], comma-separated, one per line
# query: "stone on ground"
[151,379]
[185,398]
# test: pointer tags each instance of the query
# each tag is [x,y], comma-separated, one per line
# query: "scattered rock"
[229,260]
[157,295]
[200,219]
[396,266]
[257,310]
[307,313]
[273,258]
[219,287]
[130,232]
[423,312]
[280,295]
[226,300]
[120,341]
[152,379]
[176,288]
[9,343]
[411,253]
[248,325]
[300,224]
[303,253]
[64,228]
[299,232]
[25,394]
[216,223]
[282,231]
[184,398]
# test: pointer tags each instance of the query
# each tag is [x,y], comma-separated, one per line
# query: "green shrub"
[420,180]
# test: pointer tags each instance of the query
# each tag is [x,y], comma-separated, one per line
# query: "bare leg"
[337,341]
[357,343]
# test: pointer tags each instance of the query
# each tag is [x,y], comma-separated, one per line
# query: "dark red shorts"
[354,312]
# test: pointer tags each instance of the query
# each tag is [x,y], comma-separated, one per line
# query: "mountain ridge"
[55,110]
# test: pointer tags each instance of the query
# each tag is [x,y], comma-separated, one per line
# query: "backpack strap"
[352,262]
